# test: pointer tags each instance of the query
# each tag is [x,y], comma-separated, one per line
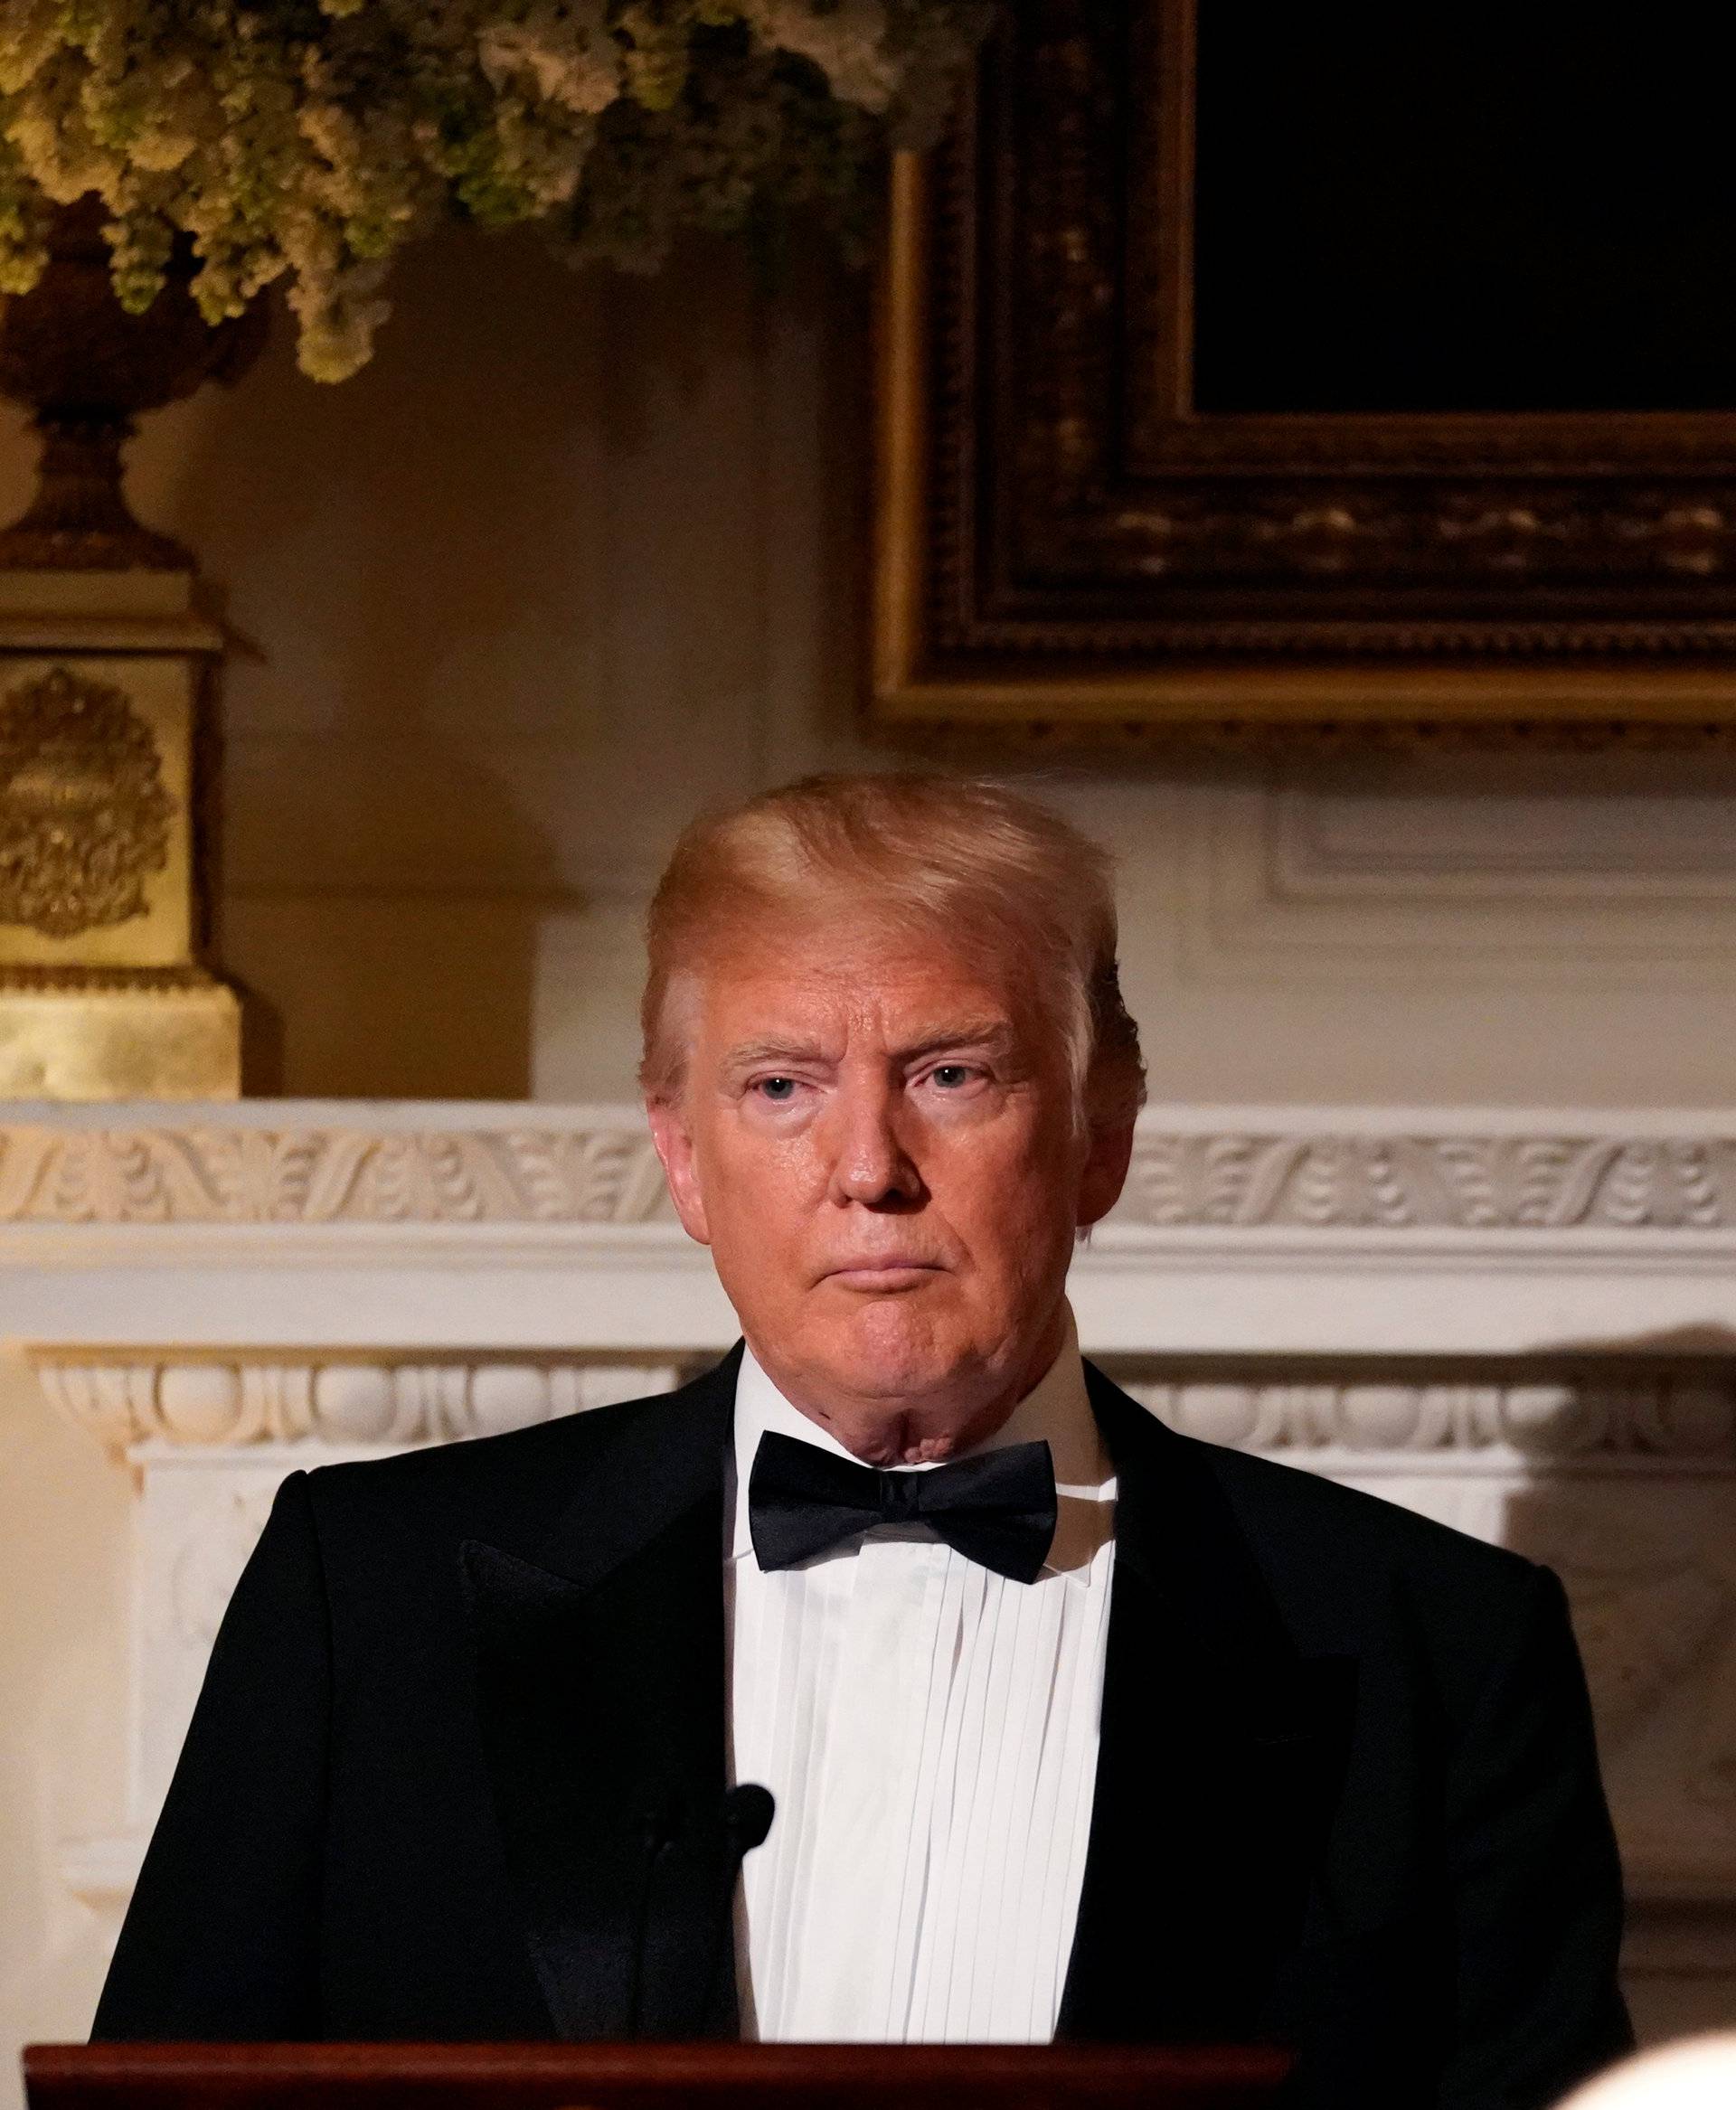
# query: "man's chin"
[884,1423]
[894,1406]
[891,1398]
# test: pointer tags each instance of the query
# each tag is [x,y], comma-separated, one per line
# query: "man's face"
[877,1142]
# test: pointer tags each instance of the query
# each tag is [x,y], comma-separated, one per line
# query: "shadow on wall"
[505,610]
[1644,1540]
[1634,1506]
[380,887]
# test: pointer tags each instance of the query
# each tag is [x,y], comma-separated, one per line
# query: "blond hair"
[1002,879]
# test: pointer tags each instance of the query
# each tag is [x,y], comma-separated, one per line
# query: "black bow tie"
[998,1510]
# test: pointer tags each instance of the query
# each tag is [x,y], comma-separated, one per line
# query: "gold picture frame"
[1065,548]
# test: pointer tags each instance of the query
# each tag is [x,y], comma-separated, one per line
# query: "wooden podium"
[650,2076]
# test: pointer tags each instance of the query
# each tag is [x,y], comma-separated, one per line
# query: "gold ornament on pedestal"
[107,750]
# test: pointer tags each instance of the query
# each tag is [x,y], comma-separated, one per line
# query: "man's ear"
[1108,1154]
[674,1142]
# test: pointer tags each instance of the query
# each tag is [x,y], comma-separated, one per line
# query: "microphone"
[746,1813]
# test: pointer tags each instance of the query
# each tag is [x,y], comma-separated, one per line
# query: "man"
[1071,1725]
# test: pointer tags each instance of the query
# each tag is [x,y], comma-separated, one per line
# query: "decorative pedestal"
[102,771]
[104,664]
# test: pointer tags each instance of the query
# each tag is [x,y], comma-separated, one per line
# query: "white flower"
[564,52]
[314,153]
[846,42]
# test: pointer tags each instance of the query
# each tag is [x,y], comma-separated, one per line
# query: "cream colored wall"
[577,554]
[64,1549]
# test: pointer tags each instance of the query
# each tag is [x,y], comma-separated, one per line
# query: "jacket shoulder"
[1346,1567]
[1300,1526]
[512,1484]
[1331,1524]
[1347,1572]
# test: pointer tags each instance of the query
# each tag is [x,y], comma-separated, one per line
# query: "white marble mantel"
[1522,1322]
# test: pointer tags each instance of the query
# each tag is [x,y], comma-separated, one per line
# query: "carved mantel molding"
[600,1172]
[1544,1182]
[596,1167]
[141,1403]
[251,1400]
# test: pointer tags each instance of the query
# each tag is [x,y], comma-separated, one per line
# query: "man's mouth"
[884,1272]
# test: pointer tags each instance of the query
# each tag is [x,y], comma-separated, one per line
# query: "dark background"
[1423,207]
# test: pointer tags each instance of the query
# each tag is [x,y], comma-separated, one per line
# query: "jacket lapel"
[601,1677]
[600,1690]
[1220,1760]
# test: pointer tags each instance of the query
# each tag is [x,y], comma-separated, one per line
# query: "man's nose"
[872,1165]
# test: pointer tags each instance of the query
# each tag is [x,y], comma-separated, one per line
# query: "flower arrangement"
[310,139]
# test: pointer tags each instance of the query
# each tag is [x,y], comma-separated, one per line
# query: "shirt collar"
[1057,1409]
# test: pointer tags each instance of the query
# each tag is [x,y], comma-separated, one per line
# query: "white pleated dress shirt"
[930,1730]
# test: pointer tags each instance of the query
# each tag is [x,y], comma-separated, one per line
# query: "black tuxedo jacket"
[1346,1797]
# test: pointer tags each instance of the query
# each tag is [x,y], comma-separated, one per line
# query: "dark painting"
[1440,207]
[1254,366]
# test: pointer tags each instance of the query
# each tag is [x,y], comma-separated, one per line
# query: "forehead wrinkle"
[995,1035]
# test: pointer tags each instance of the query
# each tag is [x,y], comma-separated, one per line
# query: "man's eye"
[950,1076]
[780,1091]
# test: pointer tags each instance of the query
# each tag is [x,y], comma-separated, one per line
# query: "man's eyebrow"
[750,1054]
[993,1036]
